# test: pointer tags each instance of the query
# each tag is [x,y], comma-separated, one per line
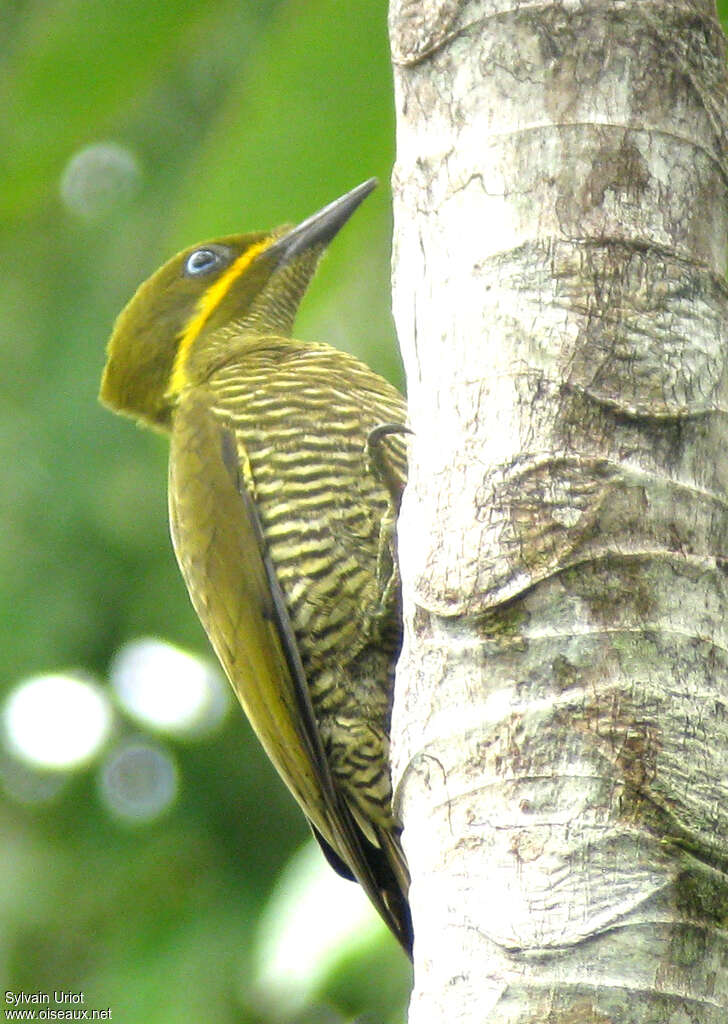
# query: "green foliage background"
[241,114]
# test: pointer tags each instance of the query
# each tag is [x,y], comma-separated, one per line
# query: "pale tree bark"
[560,734]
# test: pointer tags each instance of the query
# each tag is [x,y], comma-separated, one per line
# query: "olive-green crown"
[174,330]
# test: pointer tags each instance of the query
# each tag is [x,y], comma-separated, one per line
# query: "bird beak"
[320,228]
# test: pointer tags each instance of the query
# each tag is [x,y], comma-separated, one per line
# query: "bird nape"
[287,462]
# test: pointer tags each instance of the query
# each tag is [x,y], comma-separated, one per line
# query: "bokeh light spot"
[139,781]
[168,689]
[312,915]
[56,721]
[98,178]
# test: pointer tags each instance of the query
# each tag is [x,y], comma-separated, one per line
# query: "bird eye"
[202,261]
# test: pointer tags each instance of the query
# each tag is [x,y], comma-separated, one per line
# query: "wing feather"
[221,550]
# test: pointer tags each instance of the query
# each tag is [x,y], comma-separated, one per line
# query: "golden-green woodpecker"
[287,460]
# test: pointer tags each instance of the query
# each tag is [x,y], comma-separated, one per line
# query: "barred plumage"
[285,475]
[314,478]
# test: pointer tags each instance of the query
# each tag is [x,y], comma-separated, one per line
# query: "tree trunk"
[560,733]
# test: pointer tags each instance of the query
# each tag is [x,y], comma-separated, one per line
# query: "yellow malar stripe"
[206,306]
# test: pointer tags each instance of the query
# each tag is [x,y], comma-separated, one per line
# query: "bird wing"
[224,560]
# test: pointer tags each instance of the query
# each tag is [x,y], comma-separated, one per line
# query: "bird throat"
[206,306]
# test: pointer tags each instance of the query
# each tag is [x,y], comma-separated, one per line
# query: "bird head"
[161,341]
